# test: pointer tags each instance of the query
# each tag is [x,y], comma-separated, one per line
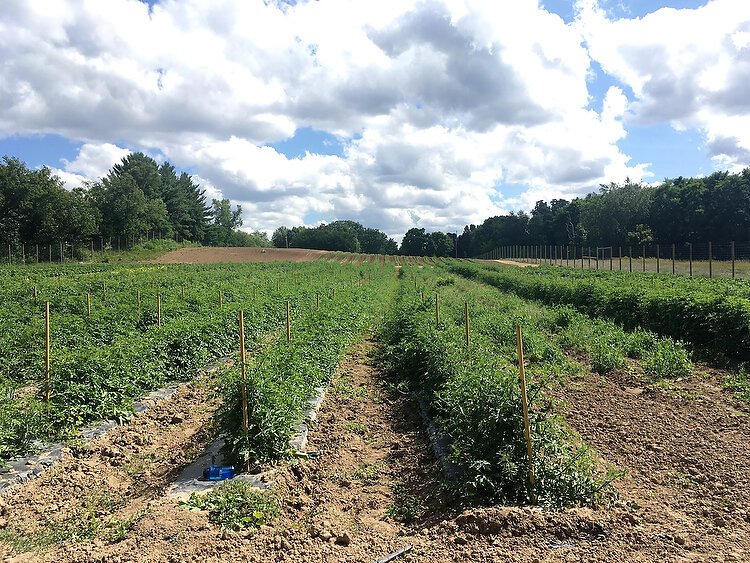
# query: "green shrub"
[236,505]
[668,360]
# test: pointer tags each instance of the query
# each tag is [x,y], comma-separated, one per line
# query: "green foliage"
[475,397]
[668,360]
[711,315]
[739,384]
[283,376]
[345,236]
[236,505]
[102,361]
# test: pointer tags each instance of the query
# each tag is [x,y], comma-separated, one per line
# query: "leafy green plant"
[668,360]
[236,505]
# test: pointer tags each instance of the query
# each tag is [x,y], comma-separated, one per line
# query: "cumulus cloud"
[438,104]
[690,67]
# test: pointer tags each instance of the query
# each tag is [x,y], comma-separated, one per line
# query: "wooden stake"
[254,294]
[221,299]
[525,405]
[88,303]
[288,322]
[710,261]
[317,301]
[158,310]
[182,292]
[138,299]
[243,371]
[437,310]
[673,253]
[732,259]
[466,324]
[690,257]
[36,294]
[47,351]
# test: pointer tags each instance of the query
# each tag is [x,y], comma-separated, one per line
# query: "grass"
[355,426]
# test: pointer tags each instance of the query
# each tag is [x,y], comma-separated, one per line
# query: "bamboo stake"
[46,351]
[243,371]
[525,405]
[288,322]
[466,324]
[158,310]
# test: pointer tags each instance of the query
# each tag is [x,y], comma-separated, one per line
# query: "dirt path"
[99,492]
[371,486]
[686,451]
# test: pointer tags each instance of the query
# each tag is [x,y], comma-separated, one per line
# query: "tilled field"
[371,486]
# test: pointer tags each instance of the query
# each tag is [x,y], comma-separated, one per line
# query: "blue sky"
[312,111]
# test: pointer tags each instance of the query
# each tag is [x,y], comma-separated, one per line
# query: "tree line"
[350,236]
[712,208]
[137,199]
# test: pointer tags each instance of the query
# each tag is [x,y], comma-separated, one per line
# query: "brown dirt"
[514,263]
[685,497]
[685,448]
[215,255]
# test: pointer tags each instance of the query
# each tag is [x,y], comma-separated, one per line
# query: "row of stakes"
[47,324]
[522,377]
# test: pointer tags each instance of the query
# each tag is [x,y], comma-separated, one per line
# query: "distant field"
[216,255]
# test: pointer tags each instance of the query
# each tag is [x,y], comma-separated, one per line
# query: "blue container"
[218,472]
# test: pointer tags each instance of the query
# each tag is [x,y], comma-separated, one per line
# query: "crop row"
[283,376]
[473,392]
[101,361]
[713,317]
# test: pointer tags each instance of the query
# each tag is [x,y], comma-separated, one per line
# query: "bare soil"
[216,255]
[514,263]
[685,446]
[371,486]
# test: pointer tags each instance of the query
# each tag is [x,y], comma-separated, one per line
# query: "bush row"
[711,321]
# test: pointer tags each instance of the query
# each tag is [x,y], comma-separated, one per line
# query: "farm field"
[639,434]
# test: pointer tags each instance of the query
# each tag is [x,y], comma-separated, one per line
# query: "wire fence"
[731,259]
[66,251]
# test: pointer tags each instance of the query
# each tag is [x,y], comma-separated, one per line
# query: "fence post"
[619,252]
[690,257]
[243,371]
[525,405]
[732,259]
[610,259]
[710,260]
[466,324]
[9,251]
[658,271]
[589,249]
[672,258]
[46,351]
[37,253]
[288,321]
[644,257]
[630,259]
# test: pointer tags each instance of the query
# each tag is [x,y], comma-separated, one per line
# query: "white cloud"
[437,102]
[687,67]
